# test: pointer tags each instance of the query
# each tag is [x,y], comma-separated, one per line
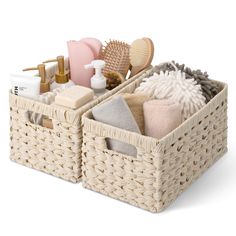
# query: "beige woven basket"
[163,168]
[55,151]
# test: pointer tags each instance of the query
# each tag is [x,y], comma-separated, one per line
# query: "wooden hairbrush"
[141,55]
[116,55]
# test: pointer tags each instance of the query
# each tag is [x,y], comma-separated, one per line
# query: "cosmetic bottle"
[98,81]
[62,76]
[44,84]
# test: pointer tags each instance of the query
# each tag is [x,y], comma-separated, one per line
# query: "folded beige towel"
[161,117]
[135,103]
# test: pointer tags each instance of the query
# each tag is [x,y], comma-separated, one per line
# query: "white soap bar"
[74,97]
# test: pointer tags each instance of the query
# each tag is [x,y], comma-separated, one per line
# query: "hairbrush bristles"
[116,55]
[138,52]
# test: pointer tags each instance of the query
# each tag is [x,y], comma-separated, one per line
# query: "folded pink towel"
[161,117]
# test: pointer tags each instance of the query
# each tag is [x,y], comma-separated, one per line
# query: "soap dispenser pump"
[45,83]
[62,79]
[98,81]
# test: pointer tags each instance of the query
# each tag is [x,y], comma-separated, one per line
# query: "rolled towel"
[135,103]
[116,112]
[161,117]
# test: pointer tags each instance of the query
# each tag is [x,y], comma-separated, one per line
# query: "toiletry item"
[209,87]
[135,103]
[45,83]
[80,54]
[116,55]
[173,85]
[52,70]
[98,81]
[25,85]
[161,117]
[116,112]
[114,79]
[94,44]
[62,76]
[141,55]
[74,97]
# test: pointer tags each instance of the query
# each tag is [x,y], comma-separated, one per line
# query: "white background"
[199,33]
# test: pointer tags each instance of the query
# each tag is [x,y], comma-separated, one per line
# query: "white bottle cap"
[97,64]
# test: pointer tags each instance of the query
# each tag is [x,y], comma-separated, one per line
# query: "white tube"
[25,86]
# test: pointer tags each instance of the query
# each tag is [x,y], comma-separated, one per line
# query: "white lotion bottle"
[98,81]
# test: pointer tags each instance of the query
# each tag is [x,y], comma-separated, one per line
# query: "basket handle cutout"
[38,119]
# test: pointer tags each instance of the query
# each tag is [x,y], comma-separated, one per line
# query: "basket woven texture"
[55,151]
[163,168]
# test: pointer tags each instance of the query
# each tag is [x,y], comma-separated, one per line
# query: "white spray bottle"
[98,81]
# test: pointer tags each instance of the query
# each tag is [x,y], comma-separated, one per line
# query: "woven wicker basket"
[55,151]
[163,168]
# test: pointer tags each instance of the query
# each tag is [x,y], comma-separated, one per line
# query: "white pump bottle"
[98,81]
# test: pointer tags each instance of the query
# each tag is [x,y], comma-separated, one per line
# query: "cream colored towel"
[135,103]
[161,117]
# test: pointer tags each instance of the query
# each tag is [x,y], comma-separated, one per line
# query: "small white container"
[25,85]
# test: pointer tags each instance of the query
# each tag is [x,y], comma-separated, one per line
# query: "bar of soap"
[116,112]
[74,97]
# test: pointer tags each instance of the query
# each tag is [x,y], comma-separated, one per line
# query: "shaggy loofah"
[209,88]
[173,85]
